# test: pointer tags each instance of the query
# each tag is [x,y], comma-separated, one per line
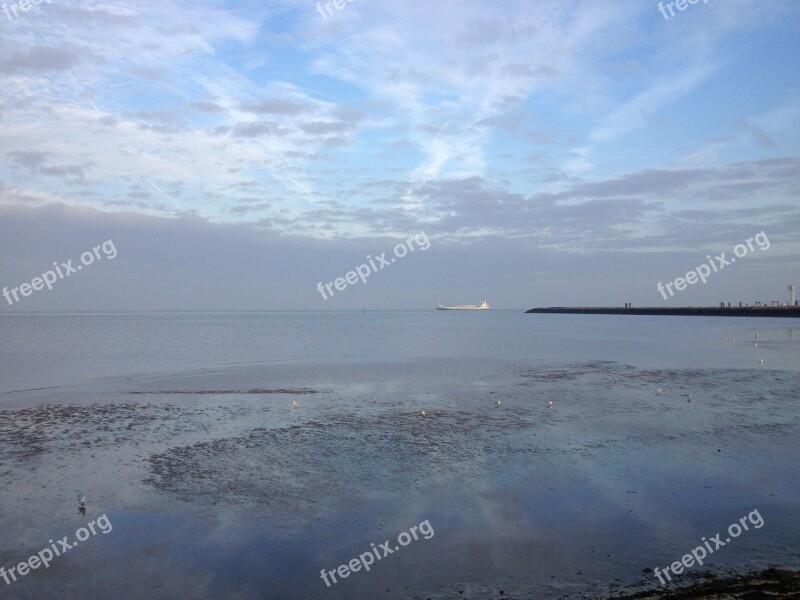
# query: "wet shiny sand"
[218,486]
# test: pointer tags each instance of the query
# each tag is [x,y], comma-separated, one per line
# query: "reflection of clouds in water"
[314,468]
[50,454]
[518,470]
[318,466]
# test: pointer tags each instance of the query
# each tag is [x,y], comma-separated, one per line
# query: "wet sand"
[218,486]
[770,583]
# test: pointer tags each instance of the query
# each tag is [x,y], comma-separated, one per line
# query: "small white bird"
[762,361]
[688,397]
[498,402]
[658,391]
[423,413]
[549,403]
[295,404]
[82,500]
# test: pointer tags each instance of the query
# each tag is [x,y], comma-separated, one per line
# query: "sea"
[392,454]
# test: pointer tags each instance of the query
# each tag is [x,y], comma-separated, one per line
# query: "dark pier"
[689,311]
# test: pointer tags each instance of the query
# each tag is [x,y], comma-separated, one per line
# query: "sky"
[241,155]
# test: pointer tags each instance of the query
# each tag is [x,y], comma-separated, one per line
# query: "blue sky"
[575,141]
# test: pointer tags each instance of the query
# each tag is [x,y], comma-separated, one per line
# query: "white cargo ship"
[484,305]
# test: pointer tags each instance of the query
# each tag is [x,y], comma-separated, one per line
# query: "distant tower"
[793,290]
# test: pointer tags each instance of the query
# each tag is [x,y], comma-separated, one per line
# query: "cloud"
[663,92]
[325,127]
[761,136]
[249,130]
[39,59]
[276,106]
[185,262]
[549,123]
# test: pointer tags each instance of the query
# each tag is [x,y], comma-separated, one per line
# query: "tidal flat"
[565,480]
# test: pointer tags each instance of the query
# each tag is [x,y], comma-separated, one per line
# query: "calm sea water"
[238,454]
[55,350]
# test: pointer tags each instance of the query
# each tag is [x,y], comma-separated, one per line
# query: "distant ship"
[484,305]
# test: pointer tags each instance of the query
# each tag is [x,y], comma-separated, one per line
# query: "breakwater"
[698,311]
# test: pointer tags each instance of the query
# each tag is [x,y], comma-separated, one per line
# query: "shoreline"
[759,584]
